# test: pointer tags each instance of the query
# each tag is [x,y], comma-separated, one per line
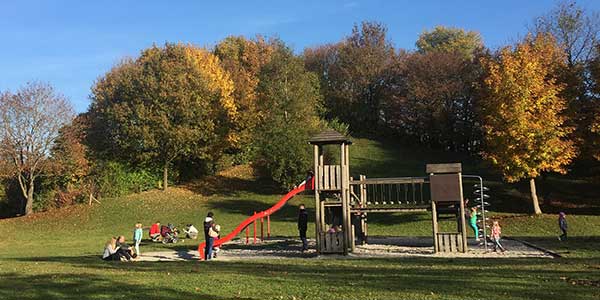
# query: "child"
[496,232]
[562,224]
[137,237]
[473,222]
[155,232]
[217,229]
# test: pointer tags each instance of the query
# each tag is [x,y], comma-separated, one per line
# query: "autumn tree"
[525,131]
[432,96]
[354,75]
[289,99]
[69,162]
[243,59]
[30,120]
[450,40]
[433,100]
[172,102]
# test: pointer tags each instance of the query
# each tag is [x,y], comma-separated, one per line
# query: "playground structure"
[342,203]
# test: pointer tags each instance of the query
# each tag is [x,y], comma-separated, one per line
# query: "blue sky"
[71,43]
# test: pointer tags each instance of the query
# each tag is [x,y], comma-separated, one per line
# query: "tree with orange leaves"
[173,102]
[524,129]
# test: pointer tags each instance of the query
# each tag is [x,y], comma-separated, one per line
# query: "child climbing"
[137,237]
[496,232]
[473,222]
[562,224]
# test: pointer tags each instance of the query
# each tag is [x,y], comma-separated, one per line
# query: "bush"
[114,179]
[285,156]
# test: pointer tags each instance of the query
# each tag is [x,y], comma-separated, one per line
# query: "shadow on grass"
[336,278]
[577,246]
[86,286]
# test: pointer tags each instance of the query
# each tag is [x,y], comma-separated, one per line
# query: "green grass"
[55,255]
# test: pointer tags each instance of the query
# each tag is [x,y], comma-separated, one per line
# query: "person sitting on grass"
[155,232]
[124,249]
[496,232]
[111,251]
[562,224]
[191,231]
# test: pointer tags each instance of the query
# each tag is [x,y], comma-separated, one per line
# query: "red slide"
[262,214]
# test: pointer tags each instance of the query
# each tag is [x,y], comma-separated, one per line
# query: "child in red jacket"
[155,232]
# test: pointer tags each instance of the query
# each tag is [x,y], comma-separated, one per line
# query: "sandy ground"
[378,247]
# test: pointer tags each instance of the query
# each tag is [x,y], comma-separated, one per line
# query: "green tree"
[172,102]
[448,39]
[289,100]
[525,131]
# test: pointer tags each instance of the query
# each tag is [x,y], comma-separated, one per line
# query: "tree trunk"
[165,176]
[534,198]
[29,200]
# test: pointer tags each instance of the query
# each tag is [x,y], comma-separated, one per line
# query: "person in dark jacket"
[303,226]
[562,223]
[208,223]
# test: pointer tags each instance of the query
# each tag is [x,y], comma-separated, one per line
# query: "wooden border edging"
[528,244]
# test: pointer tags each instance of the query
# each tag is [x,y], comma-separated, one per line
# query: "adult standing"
[303,226]
[208,223]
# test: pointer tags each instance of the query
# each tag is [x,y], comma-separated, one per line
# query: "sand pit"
[378,247]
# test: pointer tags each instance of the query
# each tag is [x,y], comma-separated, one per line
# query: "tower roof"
[329,136]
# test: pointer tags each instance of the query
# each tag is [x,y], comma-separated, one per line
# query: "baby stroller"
[169,234]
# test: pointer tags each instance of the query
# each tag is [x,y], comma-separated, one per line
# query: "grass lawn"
[55,254]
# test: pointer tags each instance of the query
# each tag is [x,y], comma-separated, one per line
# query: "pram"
[169,234]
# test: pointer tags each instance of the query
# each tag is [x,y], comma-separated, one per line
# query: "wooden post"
[316,188]
[247,234]
[262,222]
[434,222]
[347,192]
[268,226]
[254,231]
[345,218]
[462,216]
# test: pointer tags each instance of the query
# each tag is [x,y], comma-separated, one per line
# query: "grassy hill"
[55,254]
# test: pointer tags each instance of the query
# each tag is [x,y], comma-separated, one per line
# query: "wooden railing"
[399,191]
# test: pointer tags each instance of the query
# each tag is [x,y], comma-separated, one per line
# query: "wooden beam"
[387,210]
[393,180]
[443,168]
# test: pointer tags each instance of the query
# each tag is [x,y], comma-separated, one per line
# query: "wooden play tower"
[343,203]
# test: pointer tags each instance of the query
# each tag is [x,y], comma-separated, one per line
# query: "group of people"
[117,249]
[496,233]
